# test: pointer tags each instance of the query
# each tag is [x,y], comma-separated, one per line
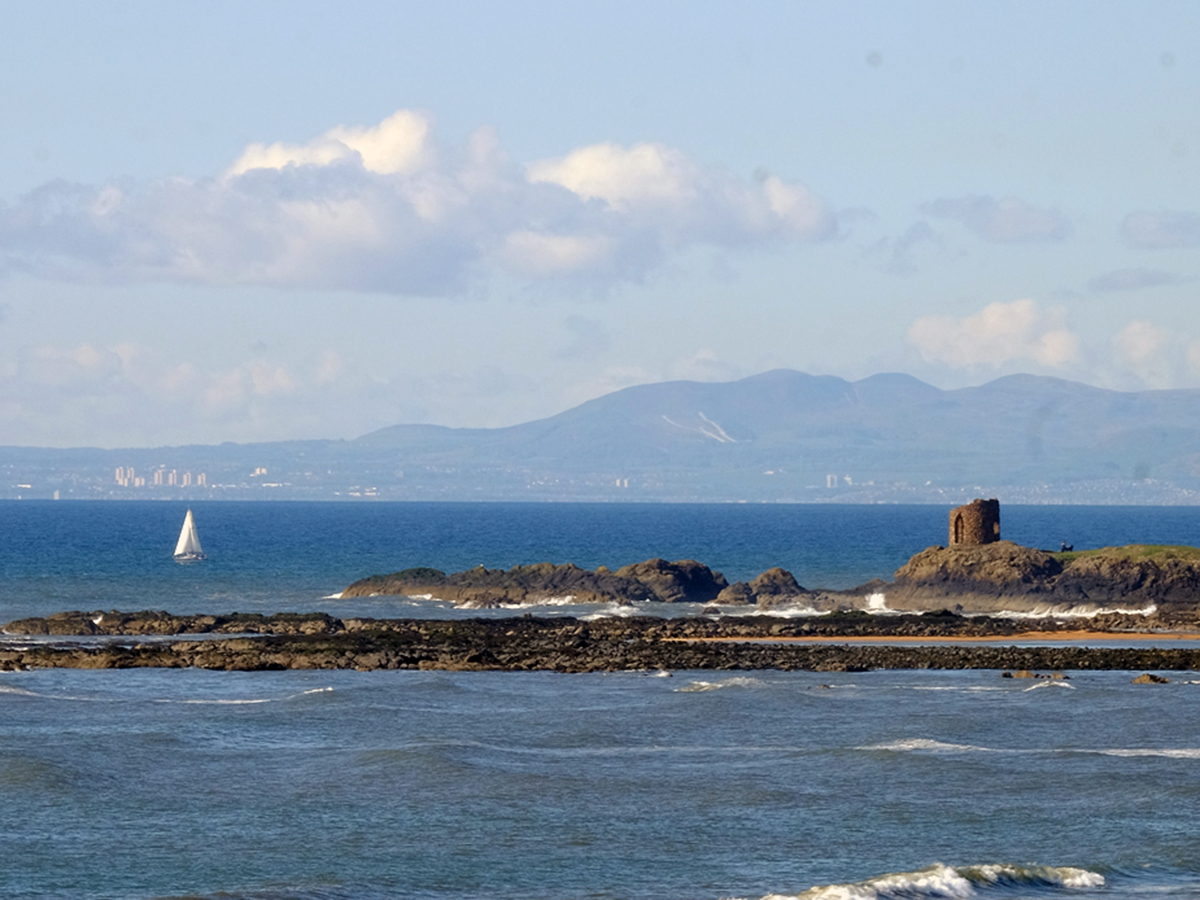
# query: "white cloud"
[623,178]
[1139,342]
[999,333]
[383,208]
[1004,221]
[400,144]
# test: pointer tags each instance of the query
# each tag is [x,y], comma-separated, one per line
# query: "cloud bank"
[1132,280]
[1004,221]
[388,208]
[999,333]
[1161,230]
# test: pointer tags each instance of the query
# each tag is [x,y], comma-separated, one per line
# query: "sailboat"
[188,548]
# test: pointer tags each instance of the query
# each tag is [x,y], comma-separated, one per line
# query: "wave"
[248,701]
[25,692]
[1050,612]
[909,745]
[927,745]
[953,882]
[337,596]
[1047,684]
[739,681]
[787,612]
[614,610]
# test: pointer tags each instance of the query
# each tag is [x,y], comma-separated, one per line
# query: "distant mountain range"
[779,436]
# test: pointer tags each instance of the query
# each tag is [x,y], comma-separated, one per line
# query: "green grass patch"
[1136,552]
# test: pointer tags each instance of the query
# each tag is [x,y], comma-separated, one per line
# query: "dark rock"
[776,582]
[1149,678]
[998,568]
[674,582]
[737,594]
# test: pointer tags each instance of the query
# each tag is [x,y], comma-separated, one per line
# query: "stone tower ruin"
[976,523]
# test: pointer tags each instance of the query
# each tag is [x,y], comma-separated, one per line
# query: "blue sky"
[288,220]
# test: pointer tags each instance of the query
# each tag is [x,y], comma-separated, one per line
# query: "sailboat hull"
[190,557]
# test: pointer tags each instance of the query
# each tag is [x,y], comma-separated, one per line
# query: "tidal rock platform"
[851,641]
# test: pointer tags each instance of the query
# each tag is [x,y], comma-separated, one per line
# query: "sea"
[684,785]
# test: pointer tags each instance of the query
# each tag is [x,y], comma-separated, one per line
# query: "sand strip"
[1024,637]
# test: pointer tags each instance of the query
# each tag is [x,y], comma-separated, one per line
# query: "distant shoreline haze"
[781,436]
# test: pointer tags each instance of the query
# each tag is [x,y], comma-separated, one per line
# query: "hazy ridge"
[778,436]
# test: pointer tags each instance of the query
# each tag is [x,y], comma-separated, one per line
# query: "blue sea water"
[369,785]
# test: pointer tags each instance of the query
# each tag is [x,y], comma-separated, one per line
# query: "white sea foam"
[739,681]
[926,745]
[613,610]
[337,596]
[1046,684]
[789,612]
[1180,753]
[22,692]
[1055,612]
[244,701]
[954,882]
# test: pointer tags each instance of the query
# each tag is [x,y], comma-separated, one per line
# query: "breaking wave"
[1050,612]
[25,692]
[953,882]
[926,745]
[739,681]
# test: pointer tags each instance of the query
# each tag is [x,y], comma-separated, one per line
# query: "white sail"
[188,546]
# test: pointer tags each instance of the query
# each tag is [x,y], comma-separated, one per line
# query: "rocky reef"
[837,642]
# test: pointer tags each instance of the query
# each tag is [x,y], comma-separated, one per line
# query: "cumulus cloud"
[999,333]
[1141,347]
[1161,230]
[1139,342]
[387,208]
[1004,221]
[1132,280]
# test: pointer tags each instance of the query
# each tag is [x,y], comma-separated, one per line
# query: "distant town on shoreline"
[782,436]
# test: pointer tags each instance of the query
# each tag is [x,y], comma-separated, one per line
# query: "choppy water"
[351,785]
[362,786]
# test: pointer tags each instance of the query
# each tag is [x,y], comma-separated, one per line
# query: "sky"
[290,220]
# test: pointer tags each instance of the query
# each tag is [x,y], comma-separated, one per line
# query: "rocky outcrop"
[686,581]
[1001,568]
[1129,577]
[1150,678]
[521,585]
[654,579]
